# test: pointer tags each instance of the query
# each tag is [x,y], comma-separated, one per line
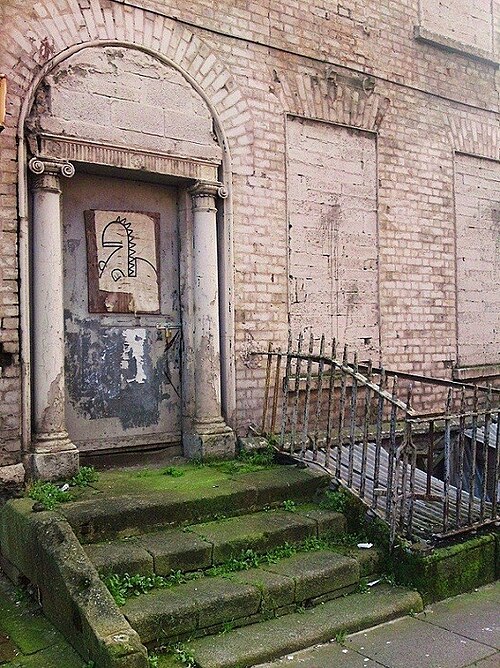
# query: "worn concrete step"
[208,604]
[271,639]
[200,546]
[115,513]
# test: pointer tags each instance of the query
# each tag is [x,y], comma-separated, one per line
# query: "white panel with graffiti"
[122,261]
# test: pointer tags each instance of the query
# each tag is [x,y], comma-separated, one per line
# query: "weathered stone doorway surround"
[207,322]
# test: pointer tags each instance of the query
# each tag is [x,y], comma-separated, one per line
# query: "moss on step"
[448,571]
[208,605]
[124,585]
[121,505]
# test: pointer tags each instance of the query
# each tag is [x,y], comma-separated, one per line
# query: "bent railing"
[426,472]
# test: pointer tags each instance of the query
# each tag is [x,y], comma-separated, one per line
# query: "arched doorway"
[126,337]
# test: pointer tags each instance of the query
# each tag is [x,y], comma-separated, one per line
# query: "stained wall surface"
[333,240]
[477,197]
[470,24]
[351,63]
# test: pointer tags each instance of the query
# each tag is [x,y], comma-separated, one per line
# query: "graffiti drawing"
[122,248]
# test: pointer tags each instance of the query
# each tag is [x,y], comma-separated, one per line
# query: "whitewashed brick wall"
[466,22]
[126,97]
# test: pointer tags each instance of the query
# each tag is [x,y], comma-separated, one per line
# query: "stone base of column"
[210,441]
[53,457]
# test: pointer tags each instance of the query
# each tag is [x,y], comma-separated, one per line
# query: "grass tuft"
[48,494]
[85,476]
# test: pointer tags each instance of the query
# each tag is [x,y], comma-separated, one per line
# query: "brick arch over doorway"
[190,56]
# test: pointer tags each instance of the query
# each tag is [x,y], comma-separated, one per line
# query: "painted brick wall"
[468,23]
[258,61]
[125,97]
[477,190]
[332,216]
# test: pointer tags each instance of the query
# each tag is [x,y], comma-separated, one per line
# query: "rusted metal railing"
[426,472]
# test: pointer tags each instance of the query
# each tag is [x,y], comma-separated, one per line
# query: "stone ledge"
[43,547]
[429,37]
[477,371]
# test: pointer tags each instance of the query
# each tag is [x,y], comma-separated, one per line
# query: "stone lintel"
[110,155]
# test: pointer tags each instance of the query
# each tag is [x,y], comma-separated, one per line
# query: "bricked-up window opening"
[464,26]
[333,244]
[477,205]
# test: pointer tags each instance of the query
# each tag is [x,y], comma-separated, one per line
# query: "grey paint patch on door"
[114,373]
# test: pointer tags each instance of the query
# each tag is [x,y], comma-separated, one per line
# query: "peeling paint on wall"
[133,364]
[114,372]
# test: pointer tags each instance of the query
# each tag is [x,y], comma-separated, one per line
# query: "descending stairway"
[237,618]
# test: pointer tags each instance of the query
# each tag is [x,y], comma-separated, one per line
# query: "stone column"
[211,436]
[52,454]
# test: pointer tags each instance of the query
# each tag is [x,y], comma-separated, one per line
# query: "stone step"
[271,639]
[105,516]
[209,604]
[201,546]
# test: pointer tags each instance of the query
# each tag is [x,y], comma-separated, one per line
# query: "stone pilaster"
[52,454]
[211,436]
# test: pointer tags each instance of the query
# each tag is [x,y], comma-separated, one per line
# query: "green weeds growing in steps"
[173,471]
[290,506]
[50,495]
[362,587]
[126,586]
[153,661]
[335,500]
[340,637]
[183,653]
[245,462]
[86,475]
[226,628]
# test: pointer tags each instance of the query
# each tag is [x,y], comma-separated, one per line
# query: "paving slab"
[27,638]
[23,622]
[59,655]
[412,643]
[492,661]
[324,656]
[474,615]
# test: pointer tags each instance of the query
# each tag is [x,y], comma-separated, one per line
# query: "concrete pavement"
[459,632]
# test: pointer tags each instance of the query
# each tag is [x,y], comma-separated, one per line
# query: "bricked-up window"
[333,244]
[477,204]
[465,25]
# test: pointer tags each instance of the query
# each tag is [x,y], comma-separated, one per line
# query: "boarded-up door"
[122,322]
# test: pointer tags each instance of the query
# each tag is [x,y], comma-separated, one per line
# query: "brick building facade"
[345,155]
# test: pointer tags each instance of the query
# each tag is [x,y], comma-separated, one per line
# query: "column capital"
[208,189]
[47,172]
